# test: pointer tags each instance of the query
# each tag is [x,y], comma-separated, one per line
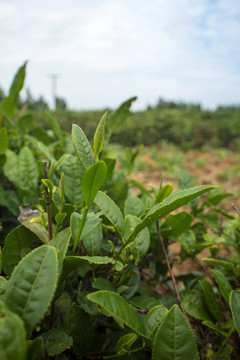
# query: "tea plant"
[88,273]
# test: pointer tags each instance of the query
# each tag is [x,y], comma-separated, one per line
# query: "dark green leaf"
[194,305]
[56,341]
[174,338]
[74,262]
[125,342]
[119,309]
[79,327]
[153,319]
[28,293]
[211,300]
[35,349]
[18,239]
[234,302]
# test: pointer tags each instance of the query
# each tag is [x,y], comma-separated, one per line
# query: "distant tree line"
[36,104]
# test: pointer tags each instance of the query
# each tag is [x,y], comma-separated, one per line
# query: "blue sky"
[108,50]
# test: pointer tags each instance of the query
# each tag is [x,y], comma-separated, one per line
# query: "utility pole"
[54,78]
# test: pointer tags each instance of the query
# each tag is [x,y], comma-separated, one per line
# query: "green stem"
[127,273]
[123,354]
[80,230]
[124,245]
[232,329]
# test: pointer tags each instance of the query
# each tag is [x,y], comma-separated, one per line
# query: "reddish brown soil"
[212,170]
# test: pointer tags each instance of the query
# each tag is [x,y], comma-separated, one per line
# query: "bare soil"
[205,168]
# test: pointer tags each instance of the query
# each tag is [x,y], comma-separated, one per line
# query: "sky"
[105,51]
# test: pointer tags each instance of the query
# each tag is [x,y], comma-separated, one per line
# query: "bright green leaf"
[110,210]
[92,181]
[172,202]
[18,81]
[13,344]
[98,139]
[163,193]
[82,147]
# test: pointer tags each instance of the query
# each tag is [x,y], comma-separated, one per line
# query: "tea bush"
[88,272]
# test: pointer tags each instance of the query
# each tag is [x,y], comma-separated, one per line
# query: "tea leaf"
[120,115]
[92,181]
[27,170]
[28,293]
[172,202]
[142,240]
[56,341]
[163,193]
[3,286]
[134,206]
[110,210]
[18,239]
[119,309]
[153,319]
[82,147]
[92,221]
[176,224]
[223,284]
[37,228]
[79,327]
[74,262]
[73,174]
[98,139]
[174,338]
[61,242]
[211,300]
[4,140]
[234,301]
[35,349]
[18,81]
[93,241]
[194,305]
[13,344]
[125,342]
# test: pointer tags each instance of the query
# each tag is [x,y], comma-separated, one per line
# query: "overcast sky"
[106,51]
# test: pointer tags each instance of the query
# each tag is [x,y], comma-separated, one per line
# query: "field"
[124,246]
